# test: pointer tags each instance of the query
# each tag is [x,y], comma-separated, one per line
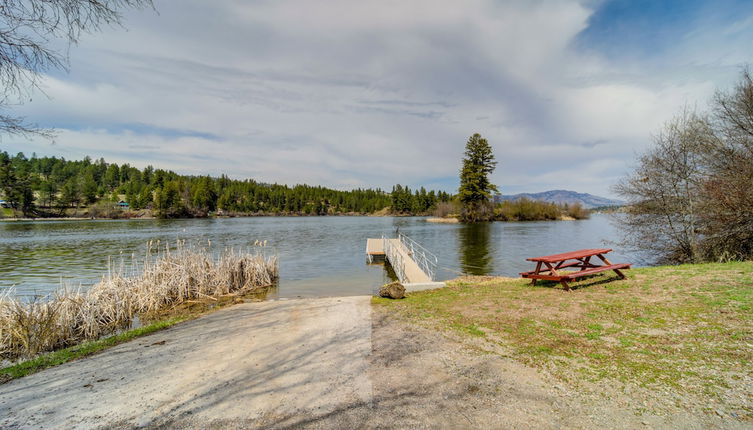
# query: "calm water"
[319,256]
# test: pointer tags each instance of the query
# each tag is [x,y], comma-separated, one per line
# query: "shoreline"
[429,218]
[73,219]
[41,219]
[438,220]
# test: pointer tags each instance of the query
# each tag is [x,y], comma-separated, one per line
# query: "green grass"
[82,350]
[686,328]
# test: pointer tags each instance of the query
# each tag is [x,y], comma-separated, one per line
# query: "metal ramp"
[414,265]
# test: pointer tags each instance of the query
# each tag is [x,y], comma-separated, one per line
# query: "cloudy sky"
[350,94]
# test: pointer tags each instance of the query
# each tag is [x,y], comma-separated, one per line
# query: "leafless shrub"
[691,196]
[663,193]
[444,209]
[576,211]
[728,211]
[525,209]
[106,209]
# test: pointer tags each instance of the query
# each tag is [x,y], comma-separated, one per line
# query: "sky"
[350,94]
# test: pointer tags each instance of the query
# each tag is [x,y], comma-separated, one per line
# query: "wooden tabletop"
[570,255]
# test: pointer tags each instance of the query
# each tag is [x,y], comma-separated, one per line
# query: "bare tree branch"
[28,29]
[691,196]
[663,191]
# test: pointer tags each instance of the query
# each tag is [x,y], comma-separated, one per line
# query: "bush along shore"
[164,280]
[514,210]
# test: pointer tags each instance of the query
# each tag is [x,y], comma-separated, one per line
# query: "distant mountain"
[588,201]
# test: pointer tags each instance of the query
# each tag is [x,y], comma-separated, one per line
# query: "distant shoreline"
[43,219]
[70,219]
[429,218]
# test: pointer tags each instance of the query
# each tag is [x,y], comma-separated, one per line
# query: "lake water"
[319,256]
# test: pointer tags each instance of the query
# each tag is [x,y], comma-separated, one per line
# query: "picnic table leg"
[582,265]
[586,262]
[617,271]
[553,272]
[536,272]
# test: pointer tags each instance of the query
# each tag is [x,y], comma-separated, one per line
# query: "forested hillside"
[51,186]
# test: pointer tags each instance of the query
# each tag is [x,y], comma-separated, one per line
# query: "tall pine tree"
[475,188]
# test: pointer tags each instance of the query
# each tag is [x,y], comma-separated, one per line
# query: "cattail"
[162,280]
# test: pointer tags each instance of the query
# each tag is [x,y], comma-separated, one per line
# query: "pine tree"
[89,189]
[475,187]
[145,198]
[70,193]
[204,196]
[168,202]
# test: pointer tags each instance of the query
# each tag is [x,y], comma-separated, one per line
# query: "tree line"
[691,194]
[420,201]
[52,186]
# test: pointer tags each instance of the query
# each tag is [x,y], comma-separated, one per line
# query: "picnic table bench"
[548,266]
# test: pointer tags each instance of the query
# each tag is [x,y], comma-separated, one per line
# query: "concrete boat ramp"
[266,364]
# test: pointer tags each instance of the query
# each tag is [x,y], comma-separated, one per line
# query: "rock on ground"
[394,290]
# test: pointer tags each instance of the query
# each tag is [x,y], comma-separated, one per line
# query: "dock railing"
[395,258]
[425,259]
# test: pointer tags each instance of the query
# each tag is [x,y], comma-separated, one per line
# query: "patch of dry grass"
[164,279]
[681,328]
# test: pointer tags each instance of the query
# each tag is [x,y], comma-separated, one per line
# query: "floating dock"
[414,266]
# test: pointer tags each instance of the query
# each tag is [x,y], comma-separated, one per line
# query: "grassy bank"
[685,329]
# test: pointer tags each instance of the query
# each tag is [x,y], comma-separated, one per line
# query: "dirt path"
[314,363]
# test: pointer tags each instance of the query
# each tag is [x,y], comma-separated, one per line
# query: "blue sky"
[352,94]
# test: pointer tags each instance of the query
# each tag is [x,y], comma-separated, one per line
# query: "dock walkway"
[413,264]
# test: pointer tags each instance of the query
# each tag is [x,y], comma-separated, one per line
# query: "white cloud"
[347,94]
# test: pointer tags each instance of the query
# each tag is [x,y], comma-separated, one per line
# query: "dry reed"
[164,278]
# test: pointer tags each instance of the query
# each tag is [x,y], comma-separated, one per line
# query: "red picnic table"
[547,267]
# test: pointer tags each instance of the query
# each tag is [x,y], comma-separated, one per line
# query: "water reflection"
[264,293]
[389,273]
[319,256]
[474,248]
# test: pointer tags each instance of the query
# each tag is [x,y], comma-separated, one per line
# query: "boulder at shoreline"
[394,290]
